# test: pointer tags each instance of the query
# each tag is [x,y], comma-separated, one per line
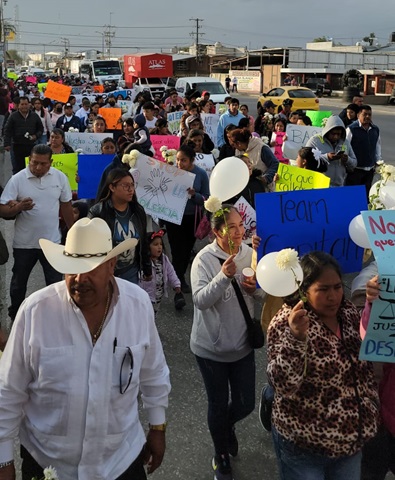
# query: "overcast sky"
[152,25]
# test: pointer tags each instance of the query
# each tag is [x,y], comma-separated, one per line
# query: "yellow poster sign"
[67,163]
[294,178]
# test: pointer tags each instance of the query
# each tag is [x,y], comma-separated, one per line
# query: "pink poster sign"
[31,79]
[170,141]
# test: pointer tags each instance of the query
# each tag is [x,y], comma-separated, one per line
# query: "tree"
[14,55]
[320,39]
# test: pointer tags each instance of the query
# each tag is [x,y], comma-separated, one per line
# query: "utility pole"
[3,39]
[196,34]
[66,43]
[108,34]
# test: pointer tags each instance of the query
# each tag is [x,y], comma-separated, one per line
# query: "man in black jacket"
[69,119]
[23,127]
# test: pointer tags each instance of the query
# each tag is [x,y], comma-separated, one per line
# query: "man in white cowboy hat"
[79,353]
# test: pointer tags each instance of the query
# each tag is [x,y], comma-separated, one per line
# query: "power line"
[196,35]
[99,26]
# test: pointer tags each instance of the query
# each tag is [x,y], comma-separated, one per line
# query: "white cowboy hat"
[88,245]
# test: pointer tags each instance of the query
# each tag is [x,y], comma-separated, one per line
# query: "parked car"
[217,91]
[303,98]
[319,86]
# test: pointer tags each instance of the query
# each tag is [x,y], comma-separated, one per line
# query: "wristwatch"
[161,428]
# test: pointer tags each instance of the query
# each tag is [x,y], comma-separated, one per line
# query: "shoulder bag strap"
[240,298]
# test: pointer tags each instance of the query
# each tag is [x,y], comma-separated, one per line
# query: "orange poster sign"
[112,117]
[57,91]
[98,88]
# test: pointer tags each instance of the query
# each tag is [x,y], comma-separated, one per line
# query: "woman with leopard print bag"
[326,403]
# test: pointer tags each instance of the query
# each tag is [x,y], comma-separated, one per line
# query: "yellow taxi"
[303,98]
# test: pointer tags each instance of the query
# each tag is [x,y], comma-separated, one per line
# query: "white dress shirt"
[63,393]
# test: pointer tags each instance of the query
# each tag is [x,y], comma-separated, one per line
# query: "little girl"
[163,273]
[307,159]
[277,140]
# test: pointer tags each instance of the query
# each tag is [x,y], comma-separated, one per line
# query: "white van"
[211,85]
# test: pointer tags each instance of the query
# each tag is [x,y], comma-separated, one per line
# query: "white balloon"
[276,282]
[228,178]
[358,233]
[387,195]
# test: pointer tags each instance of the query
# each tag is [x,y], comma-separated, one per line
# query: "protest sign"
[31,79]
[317,117]
[162,188]
[42,86]
[248,215]
[210,123]
[124,104]
[174,121]
[98,88]
[206,162]
[379,342]
[66,163]
[112,116]
[56,91]
[87,142]
[297,137]
[158,141]
[278,139]
[294,178]
[90,169]
[311,220]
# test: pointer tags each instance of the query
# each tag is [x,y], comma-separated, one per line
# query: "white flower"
[199,99]
[265,139]
[213,204]
[27,135]
[73,130]
[380,162]
[50,473]
[163,148]
[318,157]
[131,158]
[215,152]
[287,259]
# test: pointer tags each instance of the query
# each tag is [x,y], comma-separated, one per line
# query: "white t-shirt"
[150,123]
[42,221]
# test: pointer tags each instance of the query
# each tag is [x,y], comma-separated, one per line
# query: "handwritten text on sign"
[297,137]
[162,188]
[174,122]
[379,342]
[170,141]
[210,123]
[87,142]
[112,116]
[248,215]
[294,178]
[206,162]
[311,220]
[57,91]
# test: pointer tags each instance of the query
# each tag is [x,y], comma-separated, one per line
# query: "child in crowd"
[307,159]
[162,274]
[277,140]
[108,146]
[142,141]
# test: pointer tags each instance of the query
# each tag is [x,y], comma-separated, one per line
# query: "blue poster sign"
[309,220]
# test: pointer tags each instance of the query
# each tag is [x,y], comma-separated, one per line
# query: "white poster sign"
[210,123]
[297,137]
[248,215]
[206,162]
[162,188]
[89,143]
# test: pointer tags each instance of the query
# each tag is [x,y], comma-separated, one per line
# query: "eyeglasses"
[125,186]
[127,357]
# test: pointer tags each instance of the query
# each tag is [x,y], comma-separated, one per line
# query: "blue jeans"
[24,262]
[296,463]
[219,378]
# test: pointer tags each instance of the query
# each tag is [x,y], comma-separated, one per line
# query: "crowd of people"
[322,403]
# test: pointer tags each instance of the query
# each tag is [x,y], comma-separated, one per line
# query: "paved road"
[189,448]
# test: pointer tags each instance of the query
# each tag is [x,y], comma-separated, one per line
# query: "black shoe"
[179,301]
[185,288]
[233,443]
[265,409]
[222,468]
